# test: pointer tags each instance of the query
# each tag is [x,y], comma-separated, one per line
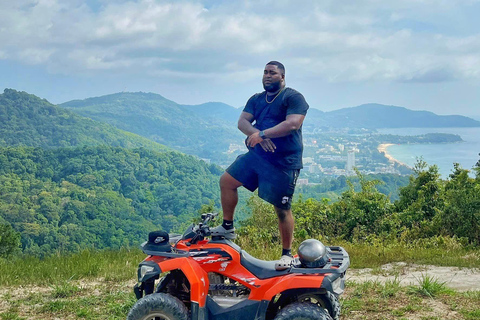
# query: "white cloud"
[35,55]
[349,41]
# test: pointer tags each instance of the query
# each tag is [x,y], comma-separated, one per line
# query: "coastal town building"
[350,160]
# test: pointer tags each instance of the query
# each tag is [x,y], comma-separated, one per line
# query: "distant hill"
[208,129]
[26,120]
[315,119]
[205,130]
[216,110]
[370,116]
[382,116]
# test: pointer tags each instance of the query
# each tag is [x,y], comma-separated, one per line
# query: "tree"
[476,168]
[420,200]
[359,214]
[9,240]
[461,216]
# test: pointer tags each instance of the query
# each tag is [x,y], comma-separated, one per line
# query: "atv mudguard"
[196,276]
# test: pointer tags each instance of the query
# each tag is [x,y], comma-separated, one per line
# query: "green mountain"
[216,111]
[370,116]
[374,116]
[68,199]
[190,129]
[26,120]
[68,182]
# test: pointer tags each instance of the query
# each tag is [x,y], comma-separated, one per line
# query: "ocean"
[443,155]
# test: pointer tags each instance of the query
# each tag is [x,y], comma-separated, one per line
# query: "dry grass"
[106,299]
[98,285]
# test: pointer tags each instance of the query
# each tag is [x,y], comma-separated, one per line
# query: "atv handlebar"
[202,229]
[207,217]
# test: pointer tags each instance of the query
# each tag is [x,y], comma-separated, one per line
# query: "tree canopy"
[26,120]
[71,198]
[429,211]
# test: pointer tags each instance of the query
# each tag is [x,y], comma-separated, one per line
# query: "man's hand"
[266,144]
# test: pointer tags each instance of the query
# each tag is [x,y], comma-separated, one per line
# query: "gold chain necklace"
[266,99]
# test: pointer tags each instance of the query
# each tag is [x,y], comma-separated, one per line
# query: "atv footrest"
[220,286]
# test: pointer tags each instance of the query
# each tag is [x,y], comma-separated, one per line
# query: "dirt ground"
[39,302]
[459,279]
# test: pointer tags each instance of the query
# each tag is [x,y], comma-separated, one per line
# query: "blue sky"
[419,54]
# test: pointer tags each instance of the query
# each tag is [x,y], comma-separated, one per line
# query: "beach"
[383,148]
[440,154]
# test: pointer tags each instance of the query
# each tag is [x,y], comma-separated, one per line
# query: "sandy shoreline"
[383,148]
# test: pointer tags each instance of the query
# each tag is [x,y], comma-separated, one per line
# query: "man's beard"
[272,87]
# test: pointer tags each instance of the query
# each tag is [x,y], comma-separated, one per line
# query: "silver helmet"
[313,254]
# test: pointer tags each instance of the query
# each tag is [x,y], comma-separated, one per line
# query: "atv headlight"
[148,270]
[145,269]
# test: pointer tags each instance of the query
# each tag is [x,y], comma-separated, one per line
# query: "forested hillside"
[104,197]
[150,115]
[67,182]
[26,120]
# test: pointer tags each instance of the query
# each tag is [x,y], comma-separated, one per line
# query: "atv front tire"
[327,300]
[158,306]
[302,311]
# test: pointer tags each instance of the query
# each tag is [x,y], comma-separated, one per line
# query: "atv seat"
[260,268]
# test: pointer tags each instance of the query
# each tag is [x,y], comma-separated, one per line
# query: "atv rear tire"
[158,306]
[302,311]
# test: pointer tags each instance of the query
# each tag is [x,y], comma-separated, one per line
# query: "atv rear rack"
[338,263]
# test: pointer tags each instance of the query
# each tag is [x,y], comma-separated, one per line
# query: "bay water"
[444,155]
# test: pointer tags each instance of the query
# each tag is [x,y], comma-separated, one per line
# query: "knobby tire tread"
[168,304]
[302,311]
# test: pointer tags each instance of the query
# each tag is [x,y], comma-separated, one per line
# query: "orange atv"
[202,279]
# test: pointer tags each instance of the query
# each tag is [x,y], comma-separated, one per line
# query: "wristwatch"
[262,134]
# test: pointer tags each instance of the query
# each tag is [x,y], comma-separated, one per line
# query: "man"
[274,159]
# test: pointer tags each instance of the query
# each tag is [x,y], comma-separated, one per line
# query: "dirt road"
[460,279]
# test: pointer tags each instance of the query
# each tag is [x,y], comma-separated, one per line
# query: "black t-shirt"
[288,153]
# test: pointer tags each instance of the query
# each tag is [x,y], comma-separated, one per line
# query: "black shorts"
[275,185]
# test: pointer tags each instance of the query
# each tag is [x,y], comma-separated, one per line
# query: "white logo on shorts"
[285,200]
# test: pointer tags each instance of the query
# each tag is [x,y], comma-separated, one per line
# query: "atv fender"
[293,281]
[196,276]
